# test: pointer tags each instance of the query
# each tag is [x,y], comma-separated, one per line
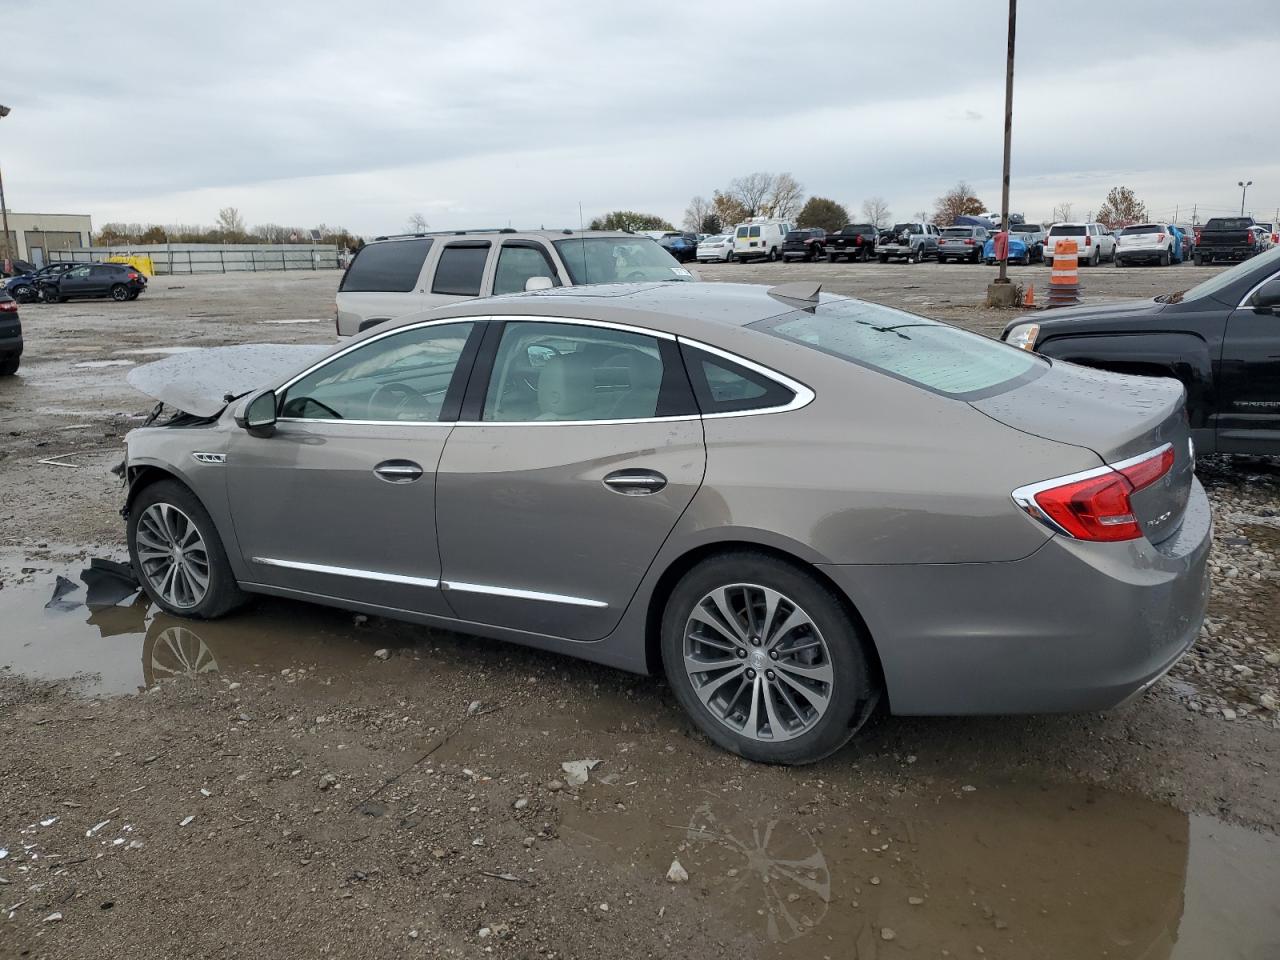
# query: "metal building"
[32,236]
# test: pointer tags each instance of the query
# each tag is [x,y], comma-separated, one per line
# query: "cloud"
[488,114]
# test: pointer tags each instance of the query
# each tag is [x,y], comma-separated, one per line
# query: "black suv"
[805,243]
[10,336]
[119,281]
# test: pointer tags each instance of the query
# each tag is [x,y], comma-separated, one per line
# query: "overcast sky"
[483,114]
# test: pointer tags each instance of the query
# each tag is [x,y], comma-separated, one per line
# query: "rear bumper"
[893,250]
[1074,627]
[974,251]
[10,338]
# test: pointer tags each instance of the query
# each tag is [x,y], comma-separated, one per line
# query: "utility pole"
[1001,292]
[4,209]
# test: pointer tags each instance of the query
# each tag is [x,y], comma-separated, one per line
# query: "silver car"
[795,505]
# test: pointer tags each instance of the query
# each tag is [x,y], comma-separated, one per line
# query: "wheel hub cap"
[172,555]
[758,662]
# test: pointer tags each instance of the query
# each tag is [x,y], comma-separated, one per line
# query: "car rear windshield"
[390,267]
[929,354]
[799,234]
[1142,228]
[958,232]
[1229,223]
[618,259]
[1067,231]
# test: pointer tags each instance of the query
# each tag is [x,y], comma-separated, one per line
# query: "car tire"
[1199,260]
[831,258]
[134,294]
[842,649]
[9,365]
[119,293]
[24,293]
[166,511]
[884,258]
[1117,262]
[1165,259]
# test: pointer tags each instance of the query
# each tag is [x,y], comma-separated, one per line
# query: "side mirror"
[1268,297]
[538,283]
[257,414]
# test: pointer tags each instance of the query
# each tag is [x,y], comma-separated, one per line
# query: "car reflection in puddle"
[1008,870]
[120,644]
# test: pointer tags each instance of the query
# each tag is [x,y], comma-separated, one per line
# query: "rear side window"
[938,357]
[517,263]
[460,269]
[753,232]
[390,267]
[722,386]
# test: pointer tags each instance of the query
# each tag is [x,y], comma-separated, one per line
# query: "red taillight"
[1197,236]
[1159,238]
[857,241]
[1095,505]
[9,306]
[1088,241]
[968,243]
[1251,238]
[133,276]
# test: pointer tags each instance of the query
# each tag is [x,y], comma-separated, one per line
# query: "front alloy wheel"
[172,555]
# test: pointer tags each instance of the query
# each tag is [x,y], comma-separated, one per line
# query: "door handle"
[635,483]
[398,471]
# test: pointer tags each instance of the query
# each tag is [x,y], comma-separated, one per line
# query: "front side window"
[461,269]
[929,354]
[569,372]
[78,273]
[517,263]
[618,260]
[402,377]
[387,267]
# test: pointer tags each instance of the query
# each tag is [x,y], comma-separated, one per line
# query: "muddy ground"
[268,786]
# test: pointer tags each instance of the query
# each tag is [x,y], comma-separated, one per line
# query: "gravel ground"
[364,788]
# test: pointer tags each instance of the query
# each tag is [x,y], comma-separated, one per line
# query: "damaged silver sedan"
[797,506]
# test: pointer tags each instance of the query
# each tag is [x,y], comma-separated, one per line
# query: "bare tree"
[751,192]
[417,223]
[921,215]
[230,222]
[1062,212]
[786,196]
[696,214]
[876,212]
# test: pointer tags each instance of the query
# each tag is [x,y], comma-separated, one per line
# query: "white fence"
[185,258]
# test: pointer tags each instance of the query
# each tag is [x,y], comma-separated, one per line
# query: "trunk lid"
[1117,417]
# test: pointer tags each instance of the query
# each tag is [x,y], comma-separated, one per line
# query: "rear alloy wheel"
[765,659]
[119,293]
[1096,258]
[1117,261]
[177,554]
[1165,259]
[773,254]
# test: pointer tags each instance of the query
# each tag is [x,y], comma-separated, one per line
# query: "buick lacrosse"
[796,506]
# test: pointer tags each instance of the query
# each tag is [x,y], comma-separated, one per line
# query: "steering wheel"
[397,397]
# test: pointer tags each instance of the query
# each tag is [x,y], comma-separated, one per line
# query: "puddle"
[129,647]
[1007,871]
[93,364]
[153,351]
[304,320]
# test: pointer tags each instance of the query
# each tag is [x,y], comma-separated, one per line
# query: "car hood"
[199,382]
[1064,316]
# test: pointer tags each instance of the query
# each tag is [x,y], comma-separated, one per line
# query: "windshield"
[1270,259]
[929,354]
[616,259]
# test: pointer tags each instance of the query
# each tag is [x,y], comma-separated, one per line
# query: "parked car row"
[58,282]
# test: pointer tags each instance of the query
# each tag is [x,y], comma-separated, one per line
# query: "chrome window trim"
[1244,301]
[368,423]
[516,594]
[347,572]
[802,396]
[1025,496]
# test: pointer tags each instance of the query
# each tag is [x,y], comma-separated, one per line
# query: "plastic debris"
[186,821]
[108,583]
[576,772]
[61,587]
[677,873]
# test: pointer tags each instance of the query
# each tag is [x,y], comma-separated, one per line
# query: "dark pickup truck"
[1221,339]
[1226,238]
[855,241]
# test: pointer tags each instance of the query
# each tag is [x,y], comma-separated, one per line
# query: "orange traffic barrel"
[1064,284]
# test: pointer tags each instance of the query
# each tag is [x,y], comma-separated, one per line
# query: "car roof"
[668,307]
[507,233]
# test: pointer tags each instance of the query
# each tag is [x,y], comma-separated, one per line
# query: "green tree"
[711,224]
[824,213]
[153,234]
[959,201]
[629,220]
[1121,208]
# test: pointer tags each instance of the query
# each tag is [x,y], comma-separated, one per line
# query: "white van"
[760,239]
